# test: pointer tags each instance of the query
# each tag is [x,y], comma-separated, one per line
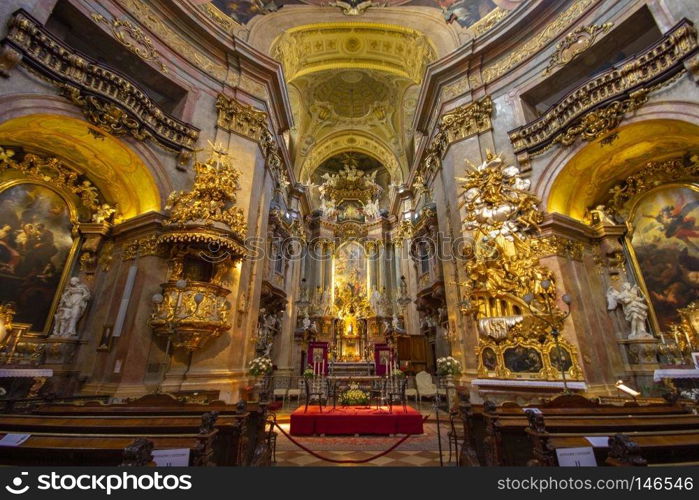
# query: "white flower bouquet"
[260,366]
[448,366]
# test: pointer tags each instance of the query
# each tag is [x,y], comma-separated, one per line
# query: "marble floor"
[415,451]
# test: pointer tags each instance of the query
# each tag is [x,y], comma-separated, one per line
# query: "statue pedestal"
[642,353]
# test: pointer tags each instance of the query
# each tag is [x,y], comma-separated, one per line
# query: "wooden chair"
[314,388]
[377,392]
[396,391]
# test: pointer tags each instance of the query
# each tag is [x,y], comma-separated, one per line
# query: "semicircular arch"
[114,168]
[574,181]
[345,142]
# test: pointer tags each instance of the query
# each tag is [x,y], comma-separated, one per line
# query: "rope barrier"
[335,461]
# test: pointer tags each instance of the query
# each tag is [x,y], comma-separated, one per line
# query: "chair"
[314,388]
[410,390]
[455,434]
[425,387]
[295,389]
[377,391]
[281,388]
[397,388]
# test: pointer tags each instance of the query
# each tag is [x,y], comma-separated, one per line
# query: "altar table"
[355,420]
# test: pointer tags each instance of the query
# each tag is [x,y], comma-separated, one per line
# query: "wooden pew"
[505,441]
[242,426]
[59,448]
[227,446]
[663,445]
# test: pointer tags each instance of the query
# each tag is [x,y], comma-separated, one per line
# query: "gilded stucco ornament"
[52,171]
[133,38]
[205,229]
[208,213]
[575,43]
[502,266]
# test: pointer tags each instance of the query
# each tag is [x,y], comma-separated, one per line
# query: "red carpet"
[355,420]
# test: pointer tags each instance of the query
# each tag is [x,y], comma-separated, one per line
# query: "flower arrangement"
[448,366]
[308,373]
[354,397]
[398,373]
[260,366]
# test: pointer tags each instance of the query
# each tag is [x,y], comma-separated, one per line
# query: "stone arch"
[346,142]
[575,178]
[115,168]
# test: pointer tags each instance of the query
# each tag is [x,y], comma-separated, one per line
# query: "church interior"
[352,232]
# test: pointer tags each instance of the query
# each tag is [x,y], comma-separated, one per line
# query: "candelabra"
[547,316]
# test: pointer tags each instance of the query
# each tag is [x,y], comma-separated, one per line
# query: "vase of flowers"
[258,369]
[448,366]
[354,396]
[308,373]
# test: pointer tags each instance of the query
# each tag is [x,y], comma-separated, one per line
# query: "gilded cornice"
[150,19]
[226,23]
[533,45]
[598,105]
[107,99]
[240,118]
[559,246]
[489,21]
[234,116]
[327,46]
[142,247]
[467,120]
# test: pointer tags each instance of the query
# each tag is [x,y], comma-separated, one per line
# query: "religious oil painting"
[490,359]
[463,12]
[35,244]
[560,359]
[665,240]
[521,359]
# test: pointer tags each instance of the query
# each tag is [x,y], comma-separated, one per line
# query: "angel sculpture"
[635,308]
[371,209]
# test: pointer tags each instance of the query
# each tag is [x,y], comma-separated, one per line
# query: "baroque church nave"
[340,225]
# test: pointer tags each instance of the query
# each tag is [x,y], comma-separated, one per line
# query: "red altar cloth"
[355,420]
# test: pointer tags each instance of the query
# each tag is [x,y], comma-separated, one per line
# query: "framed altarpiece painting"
[38,244]
[663,243]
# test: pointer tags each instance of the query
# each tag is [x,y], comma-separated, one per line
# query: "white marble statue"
[635,308]
[371,210]
[70,309]
[376,301]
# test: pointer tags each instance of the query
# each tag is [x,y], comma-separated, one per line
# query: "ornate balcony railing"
[598,106]
[108,99]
